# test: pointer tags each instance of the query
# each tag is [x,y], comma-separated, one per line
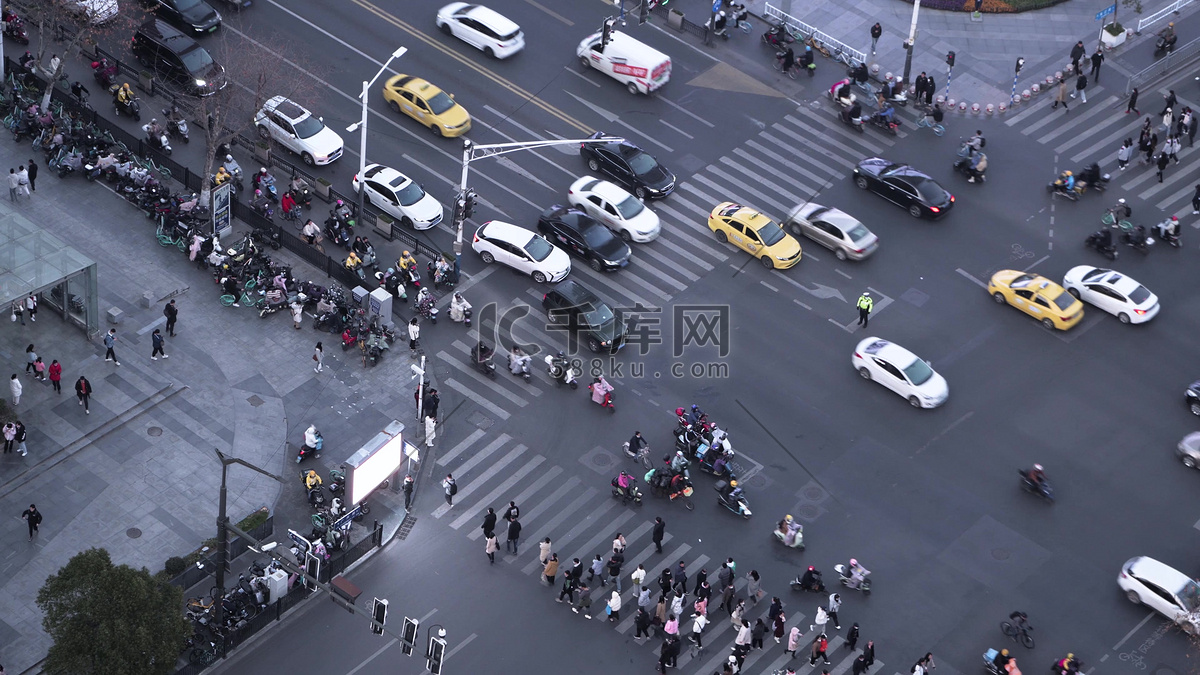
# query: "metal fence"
[1163,13]
[771,12]
[237,546]
[1180,57]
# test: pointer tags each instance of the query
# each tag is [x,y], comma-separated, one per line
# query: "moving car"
[585,315]
[177,59]
[1164,589]
[576,232]
[427,104]
[521,249]
[400,197]
[904,186]
[195,16]
[482,28]
[298,130]
[1188,450]
[1038,297]
[640,67]
[95,11]
[834,230]
[620,211]
[629,166]
[755,234]
[1193,397]
[1112,292]
[901,371]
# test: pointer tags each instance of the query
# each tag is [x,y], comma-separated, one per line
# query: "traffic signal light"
[379,614]
[1020,64]
[950,59]
[437,652]
[458,210]
[408,636]
[469,203]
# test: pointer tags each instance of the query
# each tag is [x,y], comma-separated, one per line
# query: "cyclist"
[936,113]
[787,60]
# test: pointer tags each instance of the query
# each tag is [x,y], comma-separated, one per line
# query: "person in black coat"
[852,637]
[660,528]
[869,653]
[489,520]
[514,536]
[642,623]
[664,580]
[1077,53]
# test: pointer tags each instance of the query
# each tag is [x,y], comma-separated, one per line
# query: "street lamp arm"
[493,149]
[395,55]
[227,460]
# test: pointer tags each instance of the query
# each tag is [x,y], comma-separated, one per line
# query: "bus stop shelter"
[34,261]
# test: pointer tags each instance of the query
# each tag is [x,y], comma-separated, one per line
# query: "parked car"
[194,16]
[177,59]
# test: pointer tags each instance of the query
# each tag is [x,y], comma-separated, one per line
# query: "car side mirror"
[451,95]
[320,119]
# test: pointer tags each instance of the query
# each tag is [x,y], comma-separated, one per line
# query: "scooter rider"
[312,439]
[459,308]
[860,74]
[1168,36]
[406,259]
[1037,476]
[518,360]
[125,94]
[679,463]
[811,580]
[853,112]
[312,479]
[311,231]
[353,262]
[624,481]
[1068,666]
[857,574]
[788,528]
[1168,229]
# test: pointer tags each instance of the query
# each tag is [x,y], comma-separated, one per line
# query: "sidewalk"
[139,476]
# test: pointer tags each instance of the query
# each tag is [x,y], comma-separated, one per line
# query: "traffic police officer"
[865,303]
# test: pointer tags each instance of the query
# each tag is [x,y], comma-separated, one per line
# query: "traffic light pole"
[464,202]
[910,44]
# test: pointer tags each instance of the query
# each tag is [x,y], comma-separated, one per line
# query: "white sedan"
[620,211]
[482,28]
[523,250]
[400,197]
[1112,292]
[901,371]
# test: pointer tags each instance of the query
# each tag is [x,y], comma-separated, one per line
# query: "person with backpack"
[451,488]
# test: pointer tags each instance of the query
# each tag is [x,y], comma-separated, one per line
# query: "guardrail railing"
[1161,14]
[773,12]
[1176,58]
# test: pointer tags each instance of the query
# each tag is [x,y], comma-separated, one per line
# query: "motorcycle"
[132,107]
[235,172]
[313,442]
[1060,189]
[272,302]
[301,192]
[481,358]
[790,533]
[561,370]
[739,505]
[810,581]
[1043,489]
[518,364]
[1101,241]
[717,27]
[778,37]
[1168,231]
[1164,44]
[176,124]
[1092,179]
[263,180]
[157,136]
[602,393]
[15,28]
[427,305]
[877,120]
[895,92]
[461,309]
[847,578]
[316,494]
[104,73]
[1137,239]
[629,494]
[441,272]
[339,234]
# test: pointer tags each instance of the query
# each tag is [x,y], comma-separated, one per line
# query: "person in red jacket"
[55,371]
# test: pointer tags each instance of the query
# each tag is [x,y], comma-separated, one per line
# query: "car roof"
[835,216]
[1036,282]
[386,175]
[624,148]
[575,294]
[609,191]
[744,214]
[513,234]
[416,85]
[1151,570]
[888,351]
[168,36]
[495,20]
[293,111]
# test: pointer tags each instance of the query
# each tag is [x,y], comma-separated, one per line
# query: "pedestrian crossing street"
[581,518]
[1093,131]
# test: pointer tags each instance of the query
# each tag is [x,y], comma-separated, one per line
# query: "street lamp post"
[361,126]
[474,151]
[223,529]
[910,44]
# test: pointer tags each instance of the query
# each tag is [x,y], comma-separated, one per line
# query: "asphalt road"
[928,500]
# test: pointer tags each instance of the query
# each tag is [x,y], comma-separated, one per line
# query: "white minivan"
[639,66]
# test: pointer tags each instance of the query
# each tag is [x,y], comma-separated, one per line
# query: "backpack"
[453,489]
[982,142]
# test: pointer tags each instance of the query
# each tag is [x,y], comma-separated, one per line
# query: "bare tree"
[58,21]
[258,69]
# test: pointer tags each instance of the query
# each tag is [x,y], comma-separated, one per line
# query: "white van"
[641,67]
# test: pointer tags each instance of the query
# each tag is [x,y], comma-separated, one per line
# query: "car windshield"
[185,5]
[197,60]
[641,163]
[770,233]
[1189,595]
[1095,274]
[630,207]
[410,194]
[1064,300]
[539,249]
[308,127]
[930,192]
[598,316]
[918,372]
[858,232]
[440,103]
[596,236]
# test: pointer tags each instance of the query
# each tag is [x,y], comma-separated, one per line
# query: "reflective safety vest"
[865,302]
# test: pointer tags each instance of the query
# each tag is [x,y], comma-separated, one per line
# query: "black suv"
[579,312]
[177,59]
[196,16]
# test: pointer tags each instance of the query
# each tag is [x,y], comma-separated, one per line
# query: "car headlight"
[200,83]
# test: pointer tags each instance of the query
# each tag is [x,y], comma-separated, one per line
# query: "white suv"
[1164,589]
[298,130]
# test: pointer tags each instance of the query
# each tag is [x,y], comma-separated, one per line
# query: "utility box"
[277,584]
[379,303]
[675,19]
[360,296]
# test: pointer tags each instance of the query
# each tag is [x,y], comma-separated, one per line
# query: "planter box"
[383,225]
[675,19]
[262,152]
[146,80]
[322,189]
[1111,41]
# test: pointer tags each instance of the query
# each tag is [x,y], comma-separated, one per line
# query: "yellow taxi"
[755,234]
[1038,297]
[427,104]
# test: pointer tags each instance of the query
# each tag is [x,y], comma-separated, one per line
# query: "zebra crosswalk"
[1093,131]
[581,521]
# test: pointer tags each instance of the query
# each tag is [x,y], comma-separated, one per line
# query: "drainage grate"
[1001,553]
[406,526]
[808,511]
[255,401]
[814,493]
[154,431]
[133,533]
[481,421]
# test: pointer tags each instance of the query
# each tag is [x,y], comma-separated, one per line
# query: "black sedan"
[580,235]
[191,16]
[628,165]
[905,186]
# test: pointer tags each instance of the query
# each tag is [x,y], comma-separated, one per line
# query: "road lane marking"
[769,286]
[614,118]
[803,305]
[479,400]
[1036,263]
[973,279]
[677,129]
[472,65]
[685,111]
[1135,629]
[462,445]
[843,273]
[477,483]
[945,431]
[551,12]
[541,482]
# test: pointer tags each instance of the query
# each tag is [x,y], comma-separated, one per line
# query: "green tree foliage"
[110,619]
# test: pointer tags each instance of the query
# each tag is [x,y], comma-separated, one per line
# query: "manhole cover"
[755,481]
[480,420]
[808,511]
[814,493]
[602,459]
[154,431]
[1000,553]
[133,533]
[1164,670]
[255,401]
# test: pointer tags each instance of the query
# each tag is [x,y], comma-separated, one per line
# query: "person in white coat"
[414,334]
[14,386]
[614,604]
[458,308]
